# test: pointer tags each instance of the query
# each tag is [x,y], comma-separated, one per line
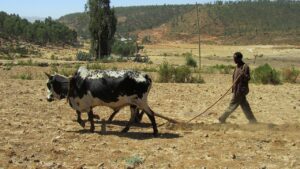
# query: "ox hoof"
[125,130]
[96,116]
[82,123]
[155,134]
[92,129]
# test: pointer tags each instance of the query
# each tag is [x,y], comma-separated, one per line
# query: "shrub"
[124,48]
[190,61]
[165,72]
[197,79]
[84,56]
[290,74]
[265,74]
[182,74]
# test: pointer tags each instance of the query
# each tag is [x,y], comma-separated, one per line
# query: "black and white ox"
[60,91]
[115,89]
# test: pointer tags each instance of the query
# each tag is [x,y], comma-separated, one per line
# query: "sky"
[57,8]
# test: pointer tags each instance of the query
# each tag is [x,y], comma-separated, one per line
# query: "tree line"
[253,17]
[44,32]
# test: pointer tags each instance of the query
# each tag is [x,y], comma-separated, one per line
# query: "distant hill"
[246,22]
[130,19]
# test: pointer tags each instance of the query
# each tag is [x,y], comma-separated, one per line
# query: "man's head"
[57,87]
[238,57]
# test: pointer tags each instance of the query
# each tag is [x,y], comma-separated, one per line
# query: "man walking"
[240,89]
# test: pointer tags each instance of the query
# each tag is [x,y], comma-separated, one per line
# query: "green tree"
[102,27]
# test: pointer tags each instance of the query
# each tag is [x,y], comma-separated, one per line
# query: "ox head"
[57,87]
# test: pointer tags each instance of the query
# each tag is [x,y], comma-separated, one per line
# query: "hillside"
[233,23]
[129,18]
[262,22]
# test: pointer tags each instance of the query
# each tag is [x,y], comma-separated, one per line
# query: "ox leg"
[113,115]
[139,116]
[79,120]
[96,116]
[91,119]
[132,119]
[150,115]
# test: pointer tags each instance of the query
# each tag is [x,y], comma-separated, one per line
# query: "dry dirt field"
[38,134]
[276,56]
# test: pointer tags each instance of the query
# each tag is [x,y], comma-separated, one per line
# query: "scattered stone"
[206,135]
[294,144]
[264,167]
[10,161]
[25,159]
[100,165]
[80,166]
[36,160]
[233,156]
[55,139]
[130,167]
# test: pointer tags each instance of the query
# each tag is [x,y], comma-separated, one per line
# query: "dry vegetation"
[37,134]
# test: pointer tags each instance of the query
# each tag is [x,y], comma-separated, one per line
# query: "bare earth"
[37,134]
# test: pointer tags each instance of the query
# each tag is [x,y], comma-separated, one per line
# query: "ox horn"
[47,74]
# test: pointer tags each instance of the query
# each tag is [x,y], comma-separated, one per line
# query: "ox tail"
[148,81]
[148,78]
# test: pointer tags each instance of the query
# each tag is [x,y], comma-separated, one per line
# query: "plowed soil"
[38,134]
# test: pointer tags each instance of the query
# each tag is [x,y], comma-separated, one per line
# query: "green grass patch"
[134,161]
[24,76]
[223,69]
[95,66]
[189,60]
[265,74]
[181,74]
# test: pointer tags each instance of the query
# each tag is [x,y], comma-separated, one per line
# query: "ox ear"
[48,75]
